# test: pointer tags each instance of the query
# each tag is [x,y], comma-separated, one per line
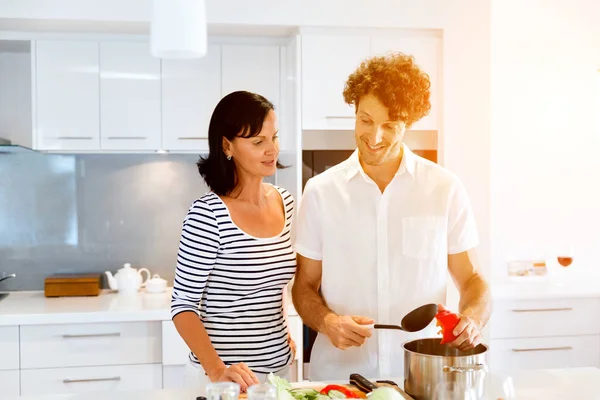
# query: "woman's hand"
[238,373]
[292,346]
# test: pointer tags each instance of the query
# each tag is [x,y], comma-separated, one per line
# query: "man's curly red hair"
[396,81]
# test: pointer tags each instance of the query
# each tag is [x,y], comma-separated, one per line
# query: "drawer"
[75,345]
[9,347]
[9,383]
[173,376]
[174,349]
[537,318]
[545,353]
[91,379]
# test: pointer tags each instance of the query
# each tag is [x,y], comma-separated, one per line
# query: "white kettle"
[127,280]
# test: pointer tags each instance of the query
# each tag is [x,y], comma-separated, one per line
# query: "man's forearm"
[475,300]
[310,306]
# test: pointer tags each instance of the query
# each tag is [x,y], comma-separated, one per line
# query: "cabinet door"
[9,383]
[110,378]
[327,61]
[129,97]
[67,95]
[255,68]
[9,347]
[190,91]
[427,53]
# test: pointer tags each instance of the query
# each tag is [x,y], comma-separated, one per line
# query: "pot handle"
[467,368]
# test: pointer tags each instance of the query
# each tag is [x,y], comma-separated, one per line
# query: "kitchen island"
[577,383]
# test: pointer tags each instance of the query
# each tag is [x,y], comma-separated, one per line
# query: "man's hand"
[346,331]
[468,334]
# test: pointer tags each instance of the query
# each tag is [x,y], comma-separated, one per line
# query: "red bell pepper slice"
[348,393]
[447,321]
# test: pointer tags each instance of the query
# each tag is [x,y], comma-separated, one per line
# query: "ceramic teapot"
[127,280]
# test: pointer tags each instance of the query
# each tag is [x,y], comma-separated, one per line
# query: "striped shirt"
[235,282]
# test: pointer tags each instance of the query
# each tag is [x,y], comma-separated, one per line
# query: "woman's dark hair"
[239,114]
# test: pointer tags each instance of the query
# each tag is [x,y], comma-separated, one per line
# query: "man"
[378,233]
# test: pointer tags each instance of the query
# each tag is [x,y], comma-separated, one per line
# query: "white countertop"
[32,308]
[578,383]
[559,285]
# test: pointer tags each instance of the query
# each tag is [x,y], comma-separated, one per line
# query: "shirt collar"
[407,164]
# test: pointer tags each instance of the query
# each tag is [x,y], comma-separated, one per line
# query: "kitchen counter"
[562,285]
[32,308]
[579,383]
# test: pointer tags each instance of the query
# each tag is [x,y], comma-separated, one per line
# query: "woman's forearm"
[191,329]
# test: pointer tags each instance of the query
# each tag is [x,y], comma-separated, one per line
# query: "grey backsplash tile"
[92,213]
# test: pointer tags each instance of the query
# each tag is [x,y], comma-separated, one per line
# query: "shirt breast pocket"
[423,237]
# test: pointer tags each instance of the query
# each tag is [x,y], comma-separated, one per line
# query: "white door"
[130,97]
[327,61]
[190,91]
[427,51]
[67,95]
[255,68]
[9,383]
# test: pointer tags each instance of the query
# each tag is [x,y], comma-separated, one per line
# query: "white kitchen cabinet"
[427,50]
[91,379]
[130,103]
[327,61]
[545,333]
[78,345]
[9,384]
[251,67]
[546,352]
[533,318]
[190,91]
[9,347]
[66,95]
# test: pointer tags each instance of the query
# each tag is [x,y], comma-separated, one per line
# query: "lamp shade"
[178,29]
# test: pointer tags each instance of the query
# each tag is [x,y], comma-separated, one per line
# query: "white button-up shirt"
[383,254]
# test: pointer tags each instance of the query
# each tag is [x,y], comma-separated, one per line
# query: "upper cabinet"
[66,93]
[327,61]
[254,68]
[190,91]
[129,97]
[426,50]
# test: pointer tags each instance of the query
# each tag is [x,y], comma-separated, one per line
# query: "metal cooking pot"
[435,371]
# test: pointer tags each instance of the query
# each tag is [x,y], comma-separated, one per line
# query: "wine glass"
[564,255]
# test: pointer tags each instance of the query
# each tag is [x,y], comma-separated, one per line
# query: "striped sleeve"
[196,257]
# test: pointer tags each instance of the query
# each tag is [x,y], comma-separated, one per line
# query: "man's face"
[378,138]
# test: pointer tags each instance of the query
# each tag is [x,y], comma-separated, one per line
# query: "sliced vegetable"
[447,321]
[334,392]
[385,393]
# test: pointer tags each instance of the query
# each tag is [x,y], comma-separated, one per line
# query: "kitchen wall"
[91,213]
[545,93]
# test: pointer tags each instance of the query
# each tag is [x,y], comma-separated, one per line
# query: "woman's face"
[257,155]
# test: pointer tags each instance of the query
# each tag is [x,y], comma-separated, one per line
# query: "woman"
[235,255]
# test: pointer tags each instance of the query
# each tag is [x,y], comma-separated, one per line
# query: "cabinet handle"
[192,138]
[543,349]
[114,378]
[341,116]
[91,335]
[126,137]
[544,309]
[74,138]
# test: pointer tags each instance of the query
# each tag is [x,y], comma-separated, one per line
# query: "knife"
[362,383]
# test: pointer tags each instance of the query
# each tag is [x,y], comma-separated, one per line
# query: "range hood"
[6,147]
